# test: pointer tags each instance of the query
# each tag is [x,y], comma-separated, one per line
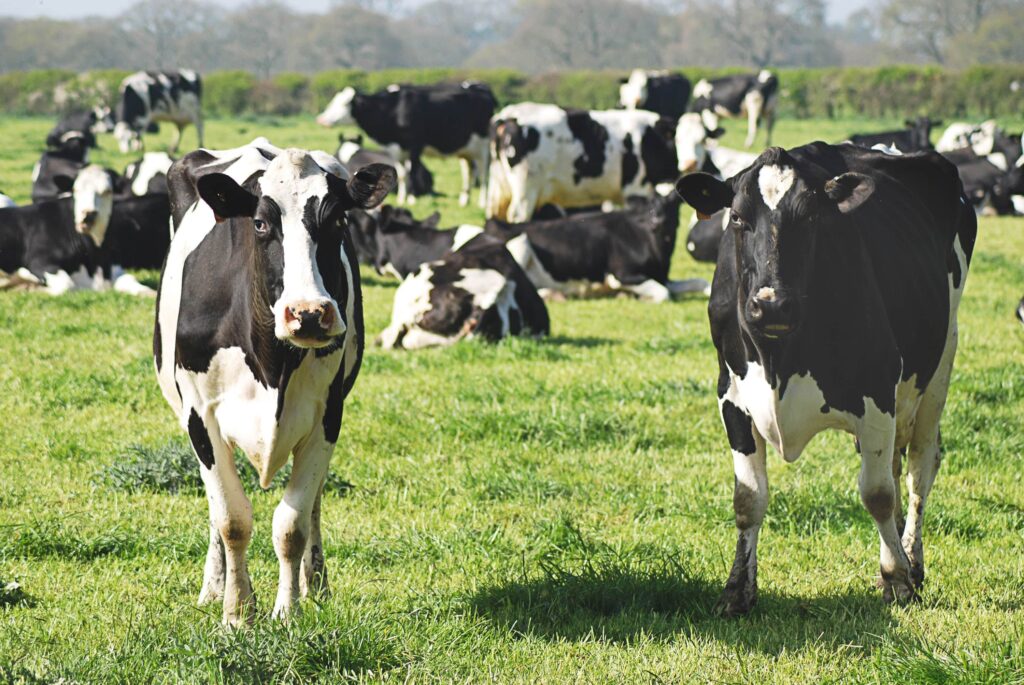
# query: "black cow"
[442,120]
[655,91]
[150,96]
[916,136]
[475,291]
[834,306]
[752,95]
[705,235]
[627,250]
[68,158]
[258,341]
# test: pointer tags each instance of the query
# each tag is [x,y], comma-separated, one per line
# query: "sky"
[838,10]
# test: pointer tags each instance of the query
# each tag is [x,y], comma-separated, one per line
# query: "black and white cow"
[575,158]
[628,250]
[439,120]
[916,136]
[62,244]
[750,95]
[150,96]
[64,161]
[258,341]
[834,305]
[81,124]
[397,244]
[476,291]
[697,149]
[149,174]
[415,179]
[661,92]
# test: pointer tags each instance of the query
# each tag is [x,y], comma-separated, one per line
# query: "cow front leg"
[230,515]
[749,501]
[468,173]
[876,436]
[313,579]
[199,130]
[214,569]
[177,139]
[292,518]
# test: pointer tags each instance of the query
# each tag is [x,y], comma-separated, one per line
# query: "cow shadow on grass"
[622,606]
[584,341]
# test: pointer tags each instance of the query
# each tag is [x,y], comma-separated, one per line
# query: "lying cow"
[834,305]
[66,160]
[476,291]
[750,95]
[149,174]
[661,92]
[257,343]
[416,180]
[575,158]
[139,233]
[916,136]
[440,120]
[150,96]
[629,251]
[59,244]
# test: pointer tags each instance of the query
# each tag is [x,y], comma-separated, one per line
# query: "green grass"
[544,511]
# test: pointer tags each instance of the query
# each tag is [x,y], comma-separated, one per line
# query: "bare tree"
[161,26]
[924,28]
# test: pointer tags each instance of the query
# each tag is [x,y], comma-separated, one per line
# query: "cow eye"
[739,223]
[260,226]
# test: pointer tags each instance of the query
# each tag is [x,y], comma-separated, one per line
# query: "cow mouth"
[777,331]
[318,342]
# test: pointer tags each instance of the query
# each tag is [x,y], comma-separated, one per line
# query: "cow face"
[295,213]
[128,139]
[633,91]
[339,109]
[692,138]
[775,215]
[93,197]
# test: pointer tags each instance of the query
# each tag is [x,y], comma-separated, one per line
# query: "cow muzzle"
[87,222]
[771,314]
[312,323]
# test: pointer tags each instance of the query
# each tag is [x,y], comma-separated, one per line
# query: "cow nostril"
[327,318]
[754,310]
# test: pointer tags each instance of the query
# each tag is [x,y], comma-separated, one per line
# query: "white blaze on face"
[152,164]
[691,142]
[774,183]
[634,91]
[764,76]
[93,196]
[346,150]
[339,109]
[702,89]
[290,180]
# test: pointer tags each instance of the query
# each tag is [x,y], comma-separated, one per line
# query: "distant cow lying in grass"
[476,291]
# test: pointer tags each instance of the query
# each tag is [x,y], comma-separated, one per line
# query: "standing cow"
[441,120]
[834,305]
[147,97]
[575,158]
[258,341]
[655,91]
[750,95]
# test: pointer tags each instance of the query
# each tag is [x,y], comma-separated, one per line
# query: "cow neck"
[370,121]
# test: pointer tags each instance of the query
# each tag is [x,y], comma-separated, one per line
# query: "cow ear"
[226,198]
[717,133]
[849,190]
[369,186]
[433,220]
[64,183]
[704,192]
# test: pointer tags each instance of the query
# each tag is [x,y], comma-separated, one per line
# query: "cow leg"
[177,139]
[897,472]
[199,130]
[313,579]
[213,571]
[649,291]
[877,436]
[468,174]
[292,518]
[483,173]
[231,516]
[749,501]
[754,106]
[768,120]
[523,204]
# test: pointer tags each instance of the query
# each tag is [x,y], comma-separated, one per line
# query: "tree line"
[532,36]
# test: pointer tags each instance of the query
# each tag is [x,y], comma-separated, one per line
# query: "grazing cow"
[753,95]
[916,136]
[149,174]
[629,250]
[575,158]
[476,291]
[59,244]
[417,181]
[150,96]
[439,120]
[655,91]
[398,245]
[705,235]
[834,306]
[257,342]
[70,157]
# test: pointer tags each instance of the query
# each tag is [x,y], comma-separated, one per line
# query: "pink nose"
[310,319]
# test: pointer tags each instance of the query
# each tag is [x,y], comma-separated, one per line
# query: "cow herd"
[839,271]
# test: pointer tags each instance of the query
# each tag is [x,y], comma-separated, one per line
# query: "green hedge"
[891,91]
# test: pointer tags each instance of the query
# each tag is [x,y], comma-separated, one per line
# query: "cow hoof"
[283,612]
[209,595]
[736,602]
[917,575]
[898,591]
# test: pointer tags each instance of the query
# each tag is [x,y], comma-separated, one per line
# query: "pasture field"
[549,511]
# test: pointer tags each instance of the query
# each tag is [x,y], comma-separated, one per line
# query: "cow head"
[128,139]
[339,109]
[692,136]
[633,91]
[922,131]
[103,119]
[776,212]
[295,214]
[92,193]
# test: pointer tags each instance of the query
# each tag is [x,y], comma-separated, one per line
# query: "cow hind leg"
[293,519]
[877,436]
[214,570]
[750,501]
[313,579]
[177,139]
[231,516]
[468,174]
